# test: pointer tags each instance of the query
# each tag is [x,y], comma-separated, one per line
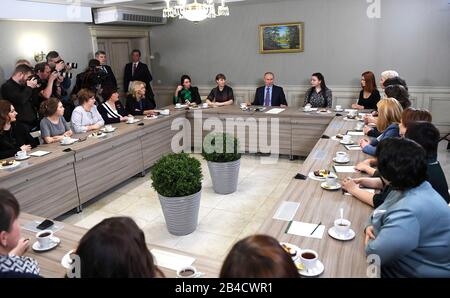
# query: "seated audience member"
[319,95]
[222,95]
[53,126]
[387,74]
[86,117]
[12,246]
[116,248]
[14,136]
[369,95]
[395,81]
[400,93]
[18,90]
[410,231]
[112,110]
[389,115]
[408,115]
[426,135]
[270,94]
[137,101]
[258,256]
[186,93]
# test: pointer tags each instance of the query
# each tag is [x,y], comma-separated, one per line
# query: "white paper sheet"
[345,169]
[171,260]
[353,148]
[39,153]
[305,229]
[366,189]
[275,111]
[286,211]
[355,133]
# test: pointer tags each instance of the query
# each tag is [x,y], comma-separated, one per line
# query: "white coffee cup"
[359,126]
[165,112]
[108,127]
[21,154]
[66,140]
[178,105]
[308,258]
[347,139]
[45,238]
[338,108]
[205,105]
[341,156]
[342,226]
[130,119]
[243,105]
[187,272]
[331,181]
[307,107]
[353,113]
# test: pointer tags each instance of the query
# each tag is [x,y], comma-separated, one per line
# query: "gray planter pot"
[224,176]
[181,213]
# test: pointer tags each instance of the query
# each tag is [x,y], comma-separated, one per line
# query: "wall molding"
[434,99]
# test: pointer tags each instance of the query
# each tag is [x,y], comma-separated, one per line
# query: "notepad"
[275,111]
[171,260]
[39,153]
[353,147]
[345,169]
[366,189]
[305,229]
[286,211]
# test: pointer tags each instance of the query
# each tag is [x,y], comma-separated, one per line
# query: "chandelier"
[195,12]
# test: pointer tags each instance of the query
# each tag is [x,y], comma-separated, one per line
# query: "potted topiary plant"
[177,178]
[221,151]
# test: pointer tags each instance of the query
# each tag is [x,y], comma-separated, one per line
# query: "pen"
[316,228]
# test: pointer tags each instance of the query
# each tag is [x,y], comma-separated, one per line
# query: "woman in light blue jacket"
[409,234]
[389,116]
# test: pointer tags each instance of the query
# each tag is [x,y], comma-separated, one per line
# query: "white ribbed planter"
[181,213]
[224,176]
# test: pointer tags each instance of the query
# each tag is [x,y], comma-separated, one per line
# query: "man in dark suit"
[269,95]
[109,79]
[138,71]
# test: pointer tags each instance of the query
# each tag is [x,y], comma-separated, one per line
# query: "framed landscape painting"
[281,38]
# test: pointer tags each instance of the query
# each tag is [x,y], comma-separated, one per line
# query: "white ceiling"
[141,4]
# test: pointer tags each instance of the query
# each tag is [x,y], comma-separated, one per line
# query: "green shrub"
[177,175]
[218,152]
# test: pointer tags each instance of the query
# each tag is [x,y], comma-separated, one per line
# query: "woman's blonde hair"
[389,111]
[135,86]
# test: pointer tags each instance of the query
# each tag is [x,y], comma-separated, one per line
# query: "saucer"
[23,158]
[334,138]
[134,121]
[108,131]
[55,242]
[66,261]
[315,271]
[349,236]
[325,186]
[98,136]
[345,143]
[314,177]
[342,162]
[69,143]
[15,164]
[340,110]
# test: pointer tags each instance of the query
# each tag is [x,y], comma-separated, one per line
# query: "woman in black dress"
[369,95]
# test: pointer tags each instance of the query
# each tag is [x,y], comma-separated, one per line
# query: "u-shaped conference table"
[65,179]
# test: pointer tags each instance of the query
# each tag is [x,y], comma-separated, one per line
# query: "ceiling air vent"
[127,16]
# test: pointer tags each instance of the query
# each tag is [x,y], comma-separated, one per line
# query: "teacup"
[205,105]
[21,154]
[45,238]
[187,272]
[66,140]
[359,126]
[309,258]
[347,139]
[108,127]
[243,105]
[165,112]
[178,105]
[342,226]
[307,107]
[130,119]
[353,113]
[338,108]
[341,156]
[331,181]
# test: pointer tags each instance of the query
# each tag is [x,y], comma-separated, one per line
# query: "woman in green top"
[186,93]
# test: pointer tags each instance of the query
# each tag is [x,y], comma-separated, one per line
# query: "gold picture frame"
[281,38]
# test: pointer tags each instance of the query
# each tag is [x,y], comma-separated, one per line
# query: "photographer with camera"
[91,79]
[110,78]
[45,78]
[64,79]
[19,91]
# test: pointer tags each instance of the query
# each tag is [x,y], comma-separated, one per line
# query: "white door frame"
[121,32]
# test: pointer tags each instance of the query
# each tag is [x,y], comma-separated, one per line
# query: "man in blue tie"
[269,94]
